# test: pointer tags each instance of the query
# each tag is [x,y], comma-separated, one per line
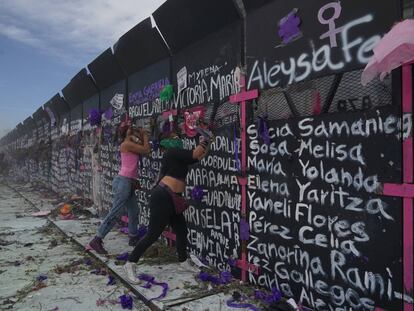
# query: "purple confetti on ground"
[126,302]
[41,277]
[111,280]
[289,27]
[123,256]
[215,280]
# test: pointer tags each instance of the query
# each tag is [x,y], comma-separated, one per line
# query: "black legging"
[162,213]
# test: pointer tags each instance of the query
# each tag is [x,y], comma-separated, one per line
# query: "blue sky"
[44,43]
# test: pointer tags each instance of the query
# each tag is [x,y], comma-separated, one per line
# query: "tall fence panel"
[319,151]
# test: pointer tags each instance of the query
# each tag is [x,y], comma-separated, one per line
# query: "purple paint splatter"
[94,117]
[289,27]
[197,193]
[244,230]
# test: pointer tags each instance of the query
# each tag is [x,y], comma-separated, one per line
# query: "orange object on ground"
[66,209]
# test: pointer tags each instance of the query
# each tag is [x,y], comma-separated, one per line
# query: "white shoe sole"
[135,281]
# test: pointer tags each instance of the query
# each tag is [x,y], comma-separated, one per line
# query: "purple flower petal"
[126,302]
[203,276]
[226,277]
[232,262]
[215,280]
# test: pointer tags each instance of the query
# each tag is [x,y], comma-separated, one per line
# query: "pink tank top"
[129,165]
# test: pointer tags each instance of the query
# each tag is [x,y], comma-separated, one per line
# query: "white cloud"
[19,34]
[75,31]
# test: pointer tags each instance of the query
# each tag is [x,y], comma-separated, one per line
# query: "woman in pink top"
[135,142]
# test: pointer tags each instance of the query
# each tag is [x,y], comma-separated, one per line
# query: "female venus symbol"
[333,31]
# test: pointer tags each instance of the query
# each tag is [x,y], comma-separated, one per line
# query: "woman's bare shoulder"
[124,146]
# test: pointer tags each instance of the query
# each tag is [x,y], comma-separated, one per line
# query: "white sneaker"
[130,269]
[187,266]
